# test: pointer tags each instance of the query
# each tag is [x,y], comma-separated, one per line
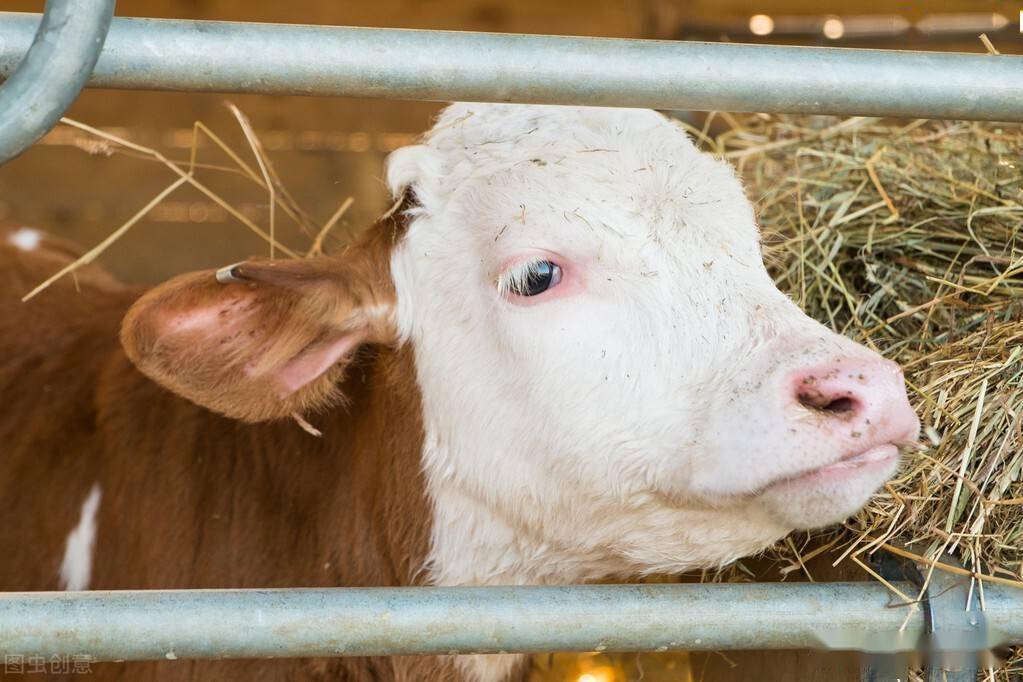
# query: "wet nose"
[859,397]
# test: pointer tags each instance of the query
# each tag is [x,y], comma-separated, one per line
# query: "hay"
[106,143]
[907,238]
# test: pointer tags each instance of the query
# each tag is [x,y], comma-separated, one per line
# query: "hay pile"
[907,238]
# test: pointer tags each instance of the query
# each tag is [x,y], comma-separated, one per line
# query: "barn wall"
[325,150]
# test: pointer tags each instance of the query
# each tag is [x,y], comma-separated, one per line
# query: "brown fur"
[279,313]
[191,499]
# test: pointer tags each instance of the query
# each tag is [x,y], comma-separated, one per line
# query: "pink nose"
[863,400]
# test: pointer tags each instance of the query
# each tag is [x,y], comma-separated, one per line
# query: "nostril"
[850,397]
[835,406]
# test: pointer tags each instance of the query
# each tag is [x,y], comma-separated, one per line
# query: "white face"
[610,378]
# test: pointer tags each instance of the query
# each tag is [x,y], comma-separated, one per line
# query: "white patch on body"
[25,238]
[76,568]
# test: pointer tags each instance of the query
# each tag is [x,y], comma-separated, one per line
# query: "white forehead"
[599,173]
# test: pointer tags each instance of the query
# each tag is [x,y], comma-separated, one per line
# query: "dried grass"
[907,238]
[105,143]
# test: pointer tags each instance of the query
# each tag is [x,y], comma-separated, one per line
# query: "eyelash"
[515,279]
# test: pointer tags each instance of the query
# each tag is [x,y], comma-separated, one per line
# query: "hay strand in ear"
[235,213]
[306,426]
[317,247]
[93,253]
[113,143]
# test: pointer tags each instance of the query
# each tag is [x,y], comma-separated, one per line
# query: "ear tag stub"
[228,274]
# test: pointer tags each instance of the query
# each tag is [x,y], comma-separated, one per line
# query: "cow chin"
[806,505]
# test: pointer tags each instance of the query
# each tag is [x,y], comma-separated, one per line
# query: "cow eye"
[538,278]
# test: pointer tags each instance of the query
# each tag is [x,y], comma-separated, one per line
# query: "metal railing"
[156,624]
[447,65]
[308,60]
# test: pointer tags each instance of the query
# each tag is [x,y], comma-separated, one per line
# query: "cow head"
[611,382]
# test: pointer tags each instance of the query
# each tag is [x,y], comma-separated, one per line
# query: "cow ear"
[262,339]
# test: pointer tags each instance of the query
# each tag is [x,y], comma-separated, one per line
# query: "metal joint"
[54,70]
[955,625]
[956,633]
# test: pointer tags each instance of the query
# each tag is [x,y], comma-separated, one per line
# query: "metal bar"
[153,625]
[441,65]
[49,69]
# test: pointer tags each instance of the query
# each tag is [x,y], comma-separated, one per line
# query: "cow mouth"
[850,465]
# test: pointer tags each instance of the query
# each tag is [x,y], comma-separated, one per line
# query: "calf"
[560,359]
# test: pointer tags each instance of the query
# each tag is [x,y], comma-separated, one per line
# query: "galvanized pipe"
[48,69]
[441,65]
[154,625]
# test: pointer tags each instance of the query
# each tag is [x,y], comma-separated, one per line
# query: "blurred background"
[329,151]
